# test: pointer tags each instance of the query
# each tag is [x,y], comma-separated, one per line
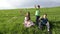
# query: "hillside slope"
[11,21]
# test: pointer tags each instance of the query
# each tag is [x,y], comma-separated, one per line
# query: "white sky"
[10,4]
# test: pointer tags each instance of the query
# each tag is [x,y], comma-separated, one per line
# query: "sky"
[11,4]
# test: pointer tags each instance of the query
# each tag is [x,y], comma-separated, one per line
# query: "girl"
[27,21]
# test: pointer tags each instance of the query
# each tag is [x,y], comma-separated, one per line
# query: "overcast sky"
[8,4]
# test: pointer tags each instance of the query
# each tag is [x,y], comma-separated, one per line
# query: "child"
[44,21]
[27,21]
[37,13]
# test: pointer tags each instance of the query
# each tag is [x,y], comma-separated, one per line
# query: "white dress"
[28,23]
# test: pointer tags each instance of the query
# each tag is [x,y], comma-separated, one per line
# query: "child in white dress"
[27,21]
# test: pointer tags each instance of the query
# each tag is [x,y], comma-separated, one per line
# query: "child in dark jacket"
[44,21]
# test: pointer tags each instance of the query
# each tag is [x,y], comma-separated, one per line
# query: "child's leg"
[48,26]
[37,19]
[40,26]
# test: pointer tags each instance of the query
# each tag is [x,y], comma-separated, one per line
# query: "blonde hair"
[45,14]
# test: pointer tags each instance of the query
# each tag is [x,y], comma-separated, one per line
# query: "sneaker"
[48,29]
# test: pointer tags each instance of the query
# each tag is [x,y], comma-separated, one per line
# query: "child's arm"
[40,18]
[35,6]
[47,22]
[25,20]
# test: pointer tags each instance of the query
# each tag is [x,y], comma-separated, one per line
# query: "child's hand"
[41,17]
[35,6]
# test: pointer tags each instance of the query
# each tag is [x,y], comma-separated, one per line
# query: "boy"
[37,14]
[44,21]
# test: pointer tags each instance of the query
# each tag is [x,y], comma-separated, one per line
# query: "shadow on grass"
[1,33]
[54,24]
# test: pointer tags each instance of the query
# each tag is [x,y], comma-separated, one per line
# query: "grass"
[11,21]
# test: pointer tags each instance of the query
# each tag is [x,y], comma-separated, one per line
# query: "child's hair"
[45,14]
[38,6]
[28,15]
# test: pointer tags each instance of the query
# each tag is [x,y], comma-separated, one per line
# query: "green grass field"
[11,21]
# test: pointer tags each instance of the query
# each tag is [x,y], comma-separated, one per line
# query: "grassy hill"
[11,21]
